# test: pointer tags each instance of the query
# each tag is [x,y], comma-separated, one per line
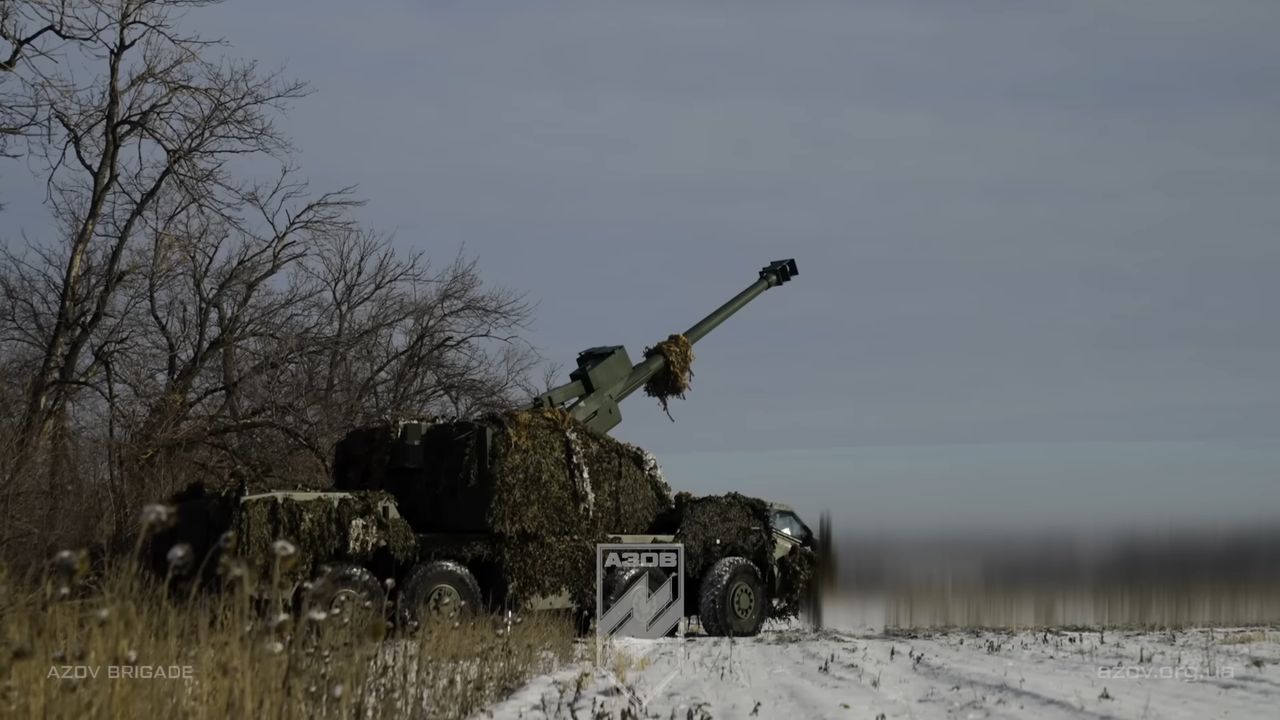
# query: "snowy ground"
[799,674]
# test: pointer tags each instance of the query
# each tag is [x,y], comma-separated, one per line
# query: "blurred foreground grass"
[123,645]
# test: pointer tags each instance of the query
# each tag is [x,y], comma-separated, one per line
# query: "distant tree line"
[195,310]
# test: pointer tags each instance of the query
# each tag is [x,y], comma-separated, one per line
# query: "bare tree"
[394,336]
[216,310]
[159,118]
[290,349]
[187,323]
[27,29]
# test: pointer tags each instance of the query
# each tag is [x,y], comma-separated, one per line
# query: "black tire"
[440,590]
[345,588]
[732,601]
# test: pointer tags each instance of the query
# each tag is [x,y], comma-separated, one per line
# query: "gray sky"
[1037,241]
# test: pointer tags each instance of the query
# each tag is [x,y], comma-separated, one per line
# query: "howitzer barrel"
[772,275]
[605,375]
[603,378]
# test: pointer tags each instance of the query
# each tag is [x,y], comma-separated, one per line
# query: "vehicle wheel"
[732,601]
[345,590]
[441,590]
[623,581]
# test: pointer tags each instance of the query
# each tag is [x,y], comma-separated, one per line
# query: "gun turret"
[605,376]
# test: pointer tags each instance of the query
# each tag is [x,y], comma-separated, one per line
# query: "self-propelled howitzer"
[507,510]
[605,376]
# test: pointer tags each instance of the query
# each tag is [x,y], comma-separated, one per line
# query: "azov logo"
[639,589]
[664,559]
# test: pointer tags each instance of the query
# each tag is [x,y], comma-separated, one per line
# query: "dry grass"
[126,636]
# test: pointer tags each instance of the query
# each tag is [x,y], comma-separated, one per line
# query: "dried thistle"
[158,517]
[71,565]
[283,549]
[179,558]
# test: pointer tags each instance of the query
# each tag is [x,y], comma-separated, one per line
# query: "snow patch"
[794,672]
[581,475]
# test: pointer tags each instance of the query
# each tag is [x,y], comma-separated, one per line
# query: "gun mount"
[605,376]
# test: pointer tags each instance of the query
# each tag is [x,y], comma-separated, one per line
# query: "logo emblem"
[639,589]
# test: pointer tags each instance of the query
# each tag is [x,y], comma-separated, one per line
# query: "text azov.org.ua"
[1164,672]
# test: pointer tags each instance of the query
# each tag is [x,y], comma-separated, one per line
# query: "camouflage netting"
[350,528]
[547,566]
[538,480]
[717,526]
[673,379]
[796,572]
[552,477]
[559,486]
[527,494]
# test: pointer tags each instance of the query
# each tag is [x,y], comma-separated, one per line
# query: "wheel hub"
[742,599]
[443,601]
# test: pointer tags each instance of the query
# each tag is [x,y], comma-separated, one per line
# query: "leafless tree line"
[180,321]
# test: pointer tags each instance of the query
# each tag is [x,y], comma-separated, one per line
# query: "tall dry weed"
[111,642]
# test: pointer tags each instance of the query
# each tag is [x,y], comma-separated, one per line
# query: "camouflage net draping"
[674,378]
[716,526]
[319,531]
[549,491]
[559,488]
[218,526]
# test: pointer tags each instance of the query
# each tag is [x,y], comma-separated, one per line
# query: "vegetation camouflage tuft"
[674,378]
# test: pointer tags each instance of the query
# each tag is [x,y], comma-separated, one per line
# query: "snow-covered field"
[798,674]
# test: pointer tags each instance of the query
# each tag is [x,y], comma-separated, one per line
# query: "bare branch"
[184,320]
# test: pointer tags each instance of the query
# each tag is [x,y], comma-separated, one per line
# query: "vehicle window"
[787,522]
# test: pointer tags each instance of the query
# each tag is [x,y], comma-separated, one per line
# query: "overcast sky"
[1038,242]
